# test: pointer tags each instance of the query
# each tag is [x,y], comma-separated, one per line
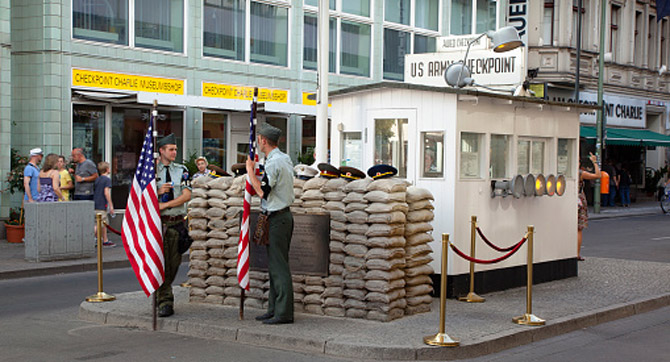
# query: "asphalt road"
[38,317]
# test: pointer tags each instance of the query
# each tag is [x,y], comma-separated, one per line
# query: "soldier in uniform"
[174,191]
[276,193]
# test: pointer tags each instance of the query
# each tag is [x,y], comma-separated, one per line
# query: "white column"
[322,83]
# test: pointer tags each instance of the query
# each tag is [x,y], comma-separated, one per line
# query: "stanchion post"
[529,318]
[442,339]
[472,297]
[100,296]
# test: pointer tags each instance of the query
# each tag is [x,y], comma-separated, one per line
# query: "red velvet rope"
[497,248]
[112,229]
[492,261]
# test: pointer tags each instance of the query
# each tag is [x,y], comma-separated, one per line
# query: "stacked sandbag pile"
[385,257]
[333,193]
[218,238]
[354,246]
[418,251]
[257,295]
[298,185]
[312,197]
[198,256]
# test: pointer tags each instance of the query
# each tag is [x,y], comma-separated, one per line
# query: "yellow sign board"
[538,89]
[309,99]
[243,93]
[107,80]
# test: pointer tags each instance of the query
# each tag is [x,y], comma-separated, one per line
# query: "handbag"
[260,236]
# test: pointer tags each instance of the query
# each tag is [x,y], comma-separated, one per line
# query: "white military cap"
[305,172]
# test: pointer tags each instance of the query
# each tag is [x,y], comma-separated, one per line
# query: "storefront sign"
[517,16]
[621,111]
[460,43]
[128,82]
[309,252]
[216,90]
[487,67]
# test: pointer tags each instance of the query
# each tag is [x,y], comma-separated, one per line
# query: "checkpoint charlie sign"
[623,111]
[487,67]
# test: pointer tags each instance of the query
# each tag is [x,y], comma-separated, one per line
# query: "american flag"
[243,246]
[142,233]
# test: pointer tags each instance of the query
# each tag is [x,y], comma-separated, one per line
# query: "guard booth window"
[470,155]
[499,156]
[564,157]
[433,154]
[530,156]
[391,144]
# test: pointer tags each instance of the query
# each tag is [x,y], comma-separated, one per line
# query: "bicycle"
[665,200]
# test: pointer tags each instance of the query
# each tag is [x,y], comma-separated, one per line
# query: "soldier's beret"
[382,171]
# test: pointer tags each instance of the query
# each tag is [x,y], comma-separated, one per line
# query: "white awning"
[110,97]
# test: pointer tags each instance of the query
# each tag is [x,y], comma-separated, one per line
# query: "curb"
[594,216]
[496,343]
[63,269]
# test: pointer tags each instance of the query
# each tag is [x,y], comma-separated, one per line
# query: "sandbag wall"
[379,253]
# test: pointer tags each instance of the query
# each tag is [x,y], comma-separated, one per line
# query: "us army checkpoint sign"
[487,67]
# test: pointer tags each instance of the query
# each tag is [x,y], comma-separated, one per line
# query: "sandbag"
[355,206]
[217,194]
[356,313]
[419,279]
[383,286]
[357,185]
[334,195]
[418,239]
[354,294]
[385,307]
[198,234]
[420,289]
[385,230]
[354,303]
[217,234]
[234,201]
[199,245]
[385,297]
[336,258]
[217,224]
[199,192]
[352,263]
[315,183]
[338,216]
[337,235]
[336,246]
[215,213]
[383,207]
[384,275]
[420,216]
[216,280]
[214,290]
[199,255]
[384,253]
[421,205]
[356,250]
[411,262]
[339,226]
[385,264]
[419,299]
[333,292]
[200,183]
[354,283]
[198,212]
[335,184]
[220,203]
[381,196]
[355,197]
[415,194]
[357,217]
[396,217]
[419,270]
[356,239]
[314,194]
[418,250]
[334,205]
[198,264]
[386,242]
[387,185]
[221,183]
[198,224]
[198,202]
[357,228]
[419,227]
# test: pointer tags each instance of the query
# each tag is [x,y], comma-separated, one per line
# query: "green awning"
[627,137]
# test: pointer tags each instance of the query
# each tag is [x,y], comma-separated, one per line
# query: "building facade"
[84,73]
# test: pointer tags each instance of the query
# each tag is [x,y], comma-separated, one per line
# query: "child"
[103,199]
[201,163]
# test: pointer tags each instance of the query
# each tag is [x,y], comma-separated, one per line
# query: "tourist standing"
[49,184]
[31,174]
[66,183]
[84,176]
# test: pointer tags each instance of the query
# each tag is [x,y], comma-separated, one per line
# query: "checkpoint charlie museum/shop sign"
[487,67]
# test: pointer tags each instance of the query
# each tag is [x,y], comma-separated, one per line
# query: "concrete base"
[59,230]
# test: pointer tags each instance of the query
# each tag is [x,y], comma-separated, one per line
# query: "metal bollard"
[100,296]
[472,297]
[529,318]
[441,338]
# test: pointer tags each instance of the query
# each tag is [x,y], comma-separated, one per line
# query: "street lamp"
[504,39]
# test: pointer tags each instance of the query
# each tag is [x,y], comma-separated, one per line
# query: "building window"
[282,124]
[461,17]
[128,131]
[651,43]
[359,7]
[499,154]
[530,157]
[424,44]
[401,29]
[159,24]
[396,45]
[391,144]
[638,46]
[269,34]
[470,155]
[100,20]
[548,23]
[564,157]
[486,15]
[214,138]
[355,45]
[224,26]
[315,3]
[614,30]
[575,21]
[310,35]
[432,148]
[664,42]
[352,149]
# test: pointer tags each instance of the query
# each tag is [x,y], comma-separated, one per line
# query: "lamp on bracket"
[504,39]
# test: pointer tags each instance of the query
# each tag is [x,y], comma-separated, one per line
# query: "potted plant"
[15,224]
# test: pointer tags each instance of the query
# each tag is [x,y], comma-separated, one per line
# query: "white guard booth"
[455,142]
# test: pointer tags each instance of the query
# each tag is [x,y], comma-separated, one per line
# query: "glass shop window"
[88,131]
[100,20]
[391,143]
[470,155]
[432,154]
[214,138]
[279,122]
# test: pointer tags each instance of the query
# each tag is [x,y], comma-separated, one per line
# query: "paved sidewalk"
[636,209]
[606,289]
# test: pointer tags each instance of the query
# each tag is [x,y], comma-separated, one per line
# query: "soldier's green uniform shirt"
[177,171]
[170,235]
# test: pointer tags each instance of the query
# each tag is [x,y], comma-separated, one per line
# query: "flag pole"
[154,109]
